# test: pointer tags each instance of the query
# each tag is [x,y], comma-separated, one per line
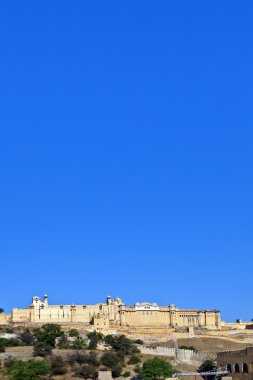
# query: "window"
[245,368]
[236,368]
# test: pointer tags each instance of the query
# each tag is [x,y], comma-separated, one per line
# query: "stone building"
[239,363]
[5,318]
[114,313]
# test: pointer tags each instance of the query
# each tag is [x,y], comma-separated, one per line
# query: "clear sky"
[126,152]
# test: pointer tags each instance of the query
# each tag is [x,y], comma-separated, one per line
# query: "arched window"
[229,368]
[236,368]
[245,368]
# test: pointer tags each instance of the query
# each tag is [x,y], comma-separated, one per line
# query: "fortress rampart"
[115,314]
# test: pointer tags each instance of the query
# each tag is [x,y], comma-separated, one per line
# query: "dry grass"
[206,344]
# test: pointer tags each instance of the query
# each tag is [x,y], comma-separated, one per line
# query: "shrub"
[57,366]
[137,369]
[63,342]
[11,342]
[207,365]
[28,370]
[77,357]
[127,374]
[48,334]
[73,333]
[93,359]
[134,359]
[116,371]
[9,330]
[94,338]
[2,347]
[110,359]
[9,362]
[121,344]
[156,369]
[86,372]
[27,337]
[138,341]
[78,343]
[42,349]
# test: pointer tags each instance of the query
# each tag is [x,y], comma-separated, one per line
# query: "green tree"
[2,347]
[92,359]
[48,334]
[73,333]
[94,339]
[86,372]
[139,341]
[116,371]
[11,342]
[57,366]
[63,342]
[28,370]
[78,343]
[127,374]
[77,357]
[1,310]
[134,359]
[156,369]
[42,349]
[121,344]
[27,337]
[207,366]
[110,359]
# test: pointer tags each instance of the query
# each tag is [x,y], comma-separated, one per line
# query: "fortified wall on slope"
[115,314]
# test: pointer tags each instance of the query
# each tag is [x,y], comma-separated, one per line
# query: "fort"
[115,314]
[238,363]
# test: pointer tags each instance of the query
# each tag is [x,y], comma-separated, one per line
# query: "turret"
[45,300]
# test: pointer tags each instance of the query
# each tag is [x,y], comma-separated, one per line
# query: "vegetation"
[57,366]
[78,343]
[1,310]
[2,347]
[93,359]
[11,342]
[207,365]
[73,333]
[121,344]
[76,357]
[110,359]
[28,370]
[134,359]
[116,371]
[42,349]
[27,337]
[83,364]
[86,372]
[63,342]
[139,341]
[9,329]
[94,339]
[156,369]
[48,334]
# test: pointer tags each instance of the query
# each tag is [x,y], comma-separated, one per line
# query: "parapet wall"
[5,318]
[187,356]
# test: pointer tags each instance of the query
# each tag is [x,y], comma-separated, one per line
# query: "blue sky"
[126,152]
